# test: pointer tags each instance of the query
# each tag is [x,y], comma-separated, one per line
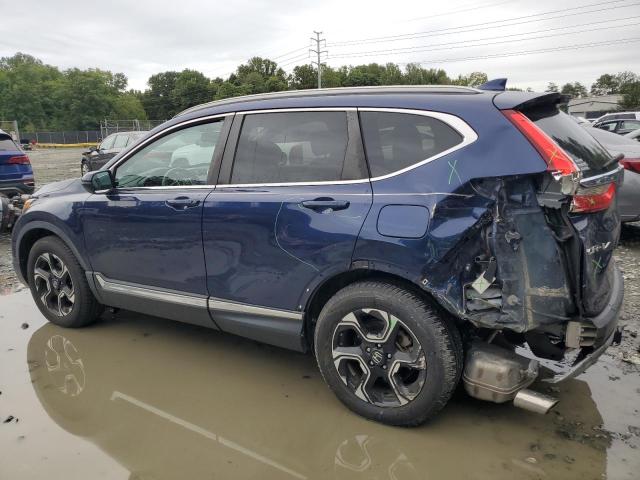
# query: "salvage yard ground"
[594,432]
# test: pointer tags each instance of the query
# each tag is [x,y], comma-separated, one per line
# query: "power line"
[462,10]
[484,25]
[466,43]
[529,52]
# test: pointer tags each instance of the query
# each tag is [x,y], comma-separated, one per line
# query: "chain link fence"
[107,127]
[65,137]
[11,127]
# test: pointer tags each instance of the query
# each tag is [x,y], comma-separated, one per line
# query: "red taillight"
[19,160]
[556,158]
[593,199]
[632,164]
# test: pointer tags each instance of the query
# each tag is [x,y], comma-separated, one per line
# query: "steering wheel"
[177,176]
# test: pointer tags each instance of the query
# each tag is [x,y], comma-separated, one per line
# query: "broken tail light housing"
[631,164]
[18,160]
[559,164]
[593,199]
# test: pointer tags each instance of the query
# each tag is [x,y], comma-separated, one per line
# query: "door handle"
[325,205]
[182,203]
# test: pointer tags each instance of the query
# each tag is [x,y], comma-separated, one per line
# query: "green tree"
[27,90]
[416,75]
[190,88]
[303,77]
[574,90]
[606,84]
[631,96]
[158,100]
[552,87]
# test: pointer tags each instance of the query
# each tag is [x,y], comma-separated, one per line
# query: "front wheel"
[387,354]
[59,286]
[84,168]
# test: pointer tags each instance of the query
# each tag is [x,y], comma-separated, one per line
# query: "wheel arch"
[33,232]
[333,284]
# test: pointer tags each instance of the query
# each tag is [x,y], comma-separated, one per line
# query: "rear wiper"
[615,159]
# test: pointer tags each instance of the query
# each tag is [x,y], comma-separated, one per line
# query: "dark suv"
[95,158]
[408,237]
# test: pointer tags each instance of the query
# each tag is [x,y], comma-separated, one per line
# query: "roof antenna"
[495,85]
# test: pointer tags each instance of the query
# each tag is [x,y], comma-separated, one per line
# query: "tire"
[59,286]
[419,388]
[84,168]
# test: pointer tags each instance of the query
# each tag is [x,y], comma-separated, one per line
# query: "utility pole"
[319,53]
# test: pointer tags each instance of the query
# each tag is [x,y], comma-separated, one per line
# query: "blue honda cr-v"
[408,237]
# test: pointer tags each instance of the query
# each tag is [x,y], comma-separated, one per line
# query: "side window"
[291,147]
[121,140]
[609,127]
[180,158]
[394,141]
[107,143]
[629,125]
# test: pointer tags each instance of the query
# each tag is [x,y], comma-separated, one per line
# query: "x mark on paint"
[598,266]
[453,170]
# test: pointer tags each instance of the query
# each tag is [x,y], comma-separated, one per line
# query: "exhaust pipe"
[534,401]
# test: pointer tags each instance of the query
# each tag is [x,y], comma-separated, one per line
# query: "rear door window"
[394,141]
[7,145]
[585,150]
[629,125]
[291,147]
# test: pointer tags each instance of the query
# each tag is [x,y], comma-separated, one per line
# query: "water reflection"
[174,401]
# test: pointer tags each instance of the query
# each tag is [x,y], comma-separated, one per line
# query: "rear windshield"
[585,150]
[6,144]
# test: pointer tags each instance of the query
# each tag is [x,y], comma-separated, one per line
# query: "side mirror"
[97,181]
[93,148]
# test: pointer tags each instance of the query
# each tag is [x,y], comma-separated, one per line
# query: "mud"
[135,397]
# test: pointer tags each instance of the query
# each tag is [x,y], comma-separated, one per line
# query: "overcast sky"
[145,37]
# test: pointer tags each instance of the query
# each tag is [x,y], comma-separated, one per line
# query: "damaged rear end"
[543,292]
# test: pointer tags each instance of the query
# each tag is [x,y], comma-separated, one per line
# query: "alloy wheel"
[378,357]
[53,284]
[84,168]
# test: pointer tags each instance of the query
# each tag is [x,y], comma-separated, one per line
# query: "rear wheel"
[59,286]
[387,354]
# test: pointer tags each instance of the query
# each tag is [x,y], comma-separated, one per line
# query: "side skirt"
[282,328]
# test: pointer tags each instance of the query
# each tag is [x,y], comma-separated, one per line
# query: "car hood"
[71,184]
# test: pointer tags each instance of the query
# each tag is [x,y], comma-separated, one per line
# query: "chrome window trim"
[216,304]
[468,137]
[150,293]
[161,133]
[601,179]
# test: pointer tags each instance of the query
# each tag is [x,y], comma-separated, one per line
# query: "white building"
[594,107]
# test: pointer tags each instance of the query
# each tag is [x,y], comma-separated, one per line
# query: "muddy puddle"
[134,397]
